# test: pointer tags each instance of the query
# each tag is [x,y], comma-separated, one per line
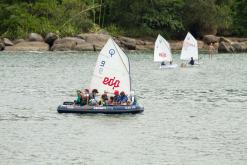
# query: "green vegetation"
[136,18]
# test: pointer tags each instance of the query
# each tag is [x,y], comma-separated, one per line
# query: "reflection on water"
[192,115]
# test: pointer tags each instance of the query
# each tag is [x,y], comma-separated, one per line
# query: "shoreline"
[96,41]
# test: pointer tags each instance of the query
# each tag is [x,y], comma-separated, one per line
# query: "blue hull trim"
[118,109]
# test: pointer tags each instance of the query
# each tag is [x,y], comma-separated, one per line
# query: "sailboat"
[112,72]
[189,50]
[162,53]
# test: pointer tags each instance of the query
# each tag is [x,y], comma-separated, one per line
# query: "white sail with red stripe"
[162,50]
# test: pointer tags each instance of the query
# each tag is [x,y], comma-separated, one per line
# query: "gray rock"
[16,41]
[98,40]
[223,39]
[128,43]
[240,46]
[35,37]
[84,47]
[225,47]
[210,39]
[2,46]
[7,42]
[66,44]
[50,38]
[29,46]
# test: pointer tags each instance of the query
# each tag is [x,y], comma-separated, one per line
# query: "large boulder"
[223,39]
[2,46]
[176,45]
[240,46]
[85,47]
[210,39]
[225,47]
[128,43]
[28,46]
[7,42]
[98,40]
[50,38]
[66,43]
[35,37]
[16,41]
[142,44]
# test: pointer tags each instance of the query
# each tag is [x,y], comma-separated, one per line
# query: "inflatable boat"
[107,79]
[70,107]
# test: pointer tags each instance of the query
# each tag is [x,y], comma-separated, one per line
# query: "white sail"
[112,70]
[190,48]
[162,50]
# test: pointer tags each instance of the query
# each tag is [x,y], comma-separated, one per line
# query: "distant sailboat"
[162,53]
[112,72]
[190,49]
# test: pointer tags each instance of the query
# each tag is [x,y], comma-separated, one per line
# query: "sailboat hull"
[111,109]
[168,66]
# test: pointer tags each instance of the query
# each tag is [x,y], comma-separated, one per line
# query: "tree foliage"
[172,18]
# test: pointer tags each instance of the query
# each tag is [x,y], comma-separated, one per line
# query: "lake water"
[192,116]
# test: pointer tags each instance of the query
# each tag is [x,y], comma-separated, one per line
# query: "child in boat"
[104,100]
[123,98]
[93,97]
[192,62]
[116,98]
[110,101]
[163,63]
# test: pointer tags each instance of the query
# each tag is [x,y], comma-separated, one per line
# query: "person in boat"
[93,98]
[163,63]
[82,97]
[110,101]
[116,98]
[78,98]
[123,98]
[132,99]
[104,100]
[170,62]
[192,62]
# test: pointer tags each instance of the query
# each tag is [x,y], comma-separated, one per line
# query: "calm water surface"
[192,115]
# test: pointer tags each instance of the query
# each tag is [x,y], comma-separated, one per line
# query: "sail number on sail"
[102,64]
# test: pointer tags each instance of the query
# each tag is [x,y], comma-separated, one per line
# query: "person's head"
[116,92]
[111,99]
[86,91]
[94,91]
[122,93]
[103,96]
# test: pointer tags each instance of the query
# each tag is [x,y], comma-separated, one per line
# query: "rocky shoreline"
[95,41]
